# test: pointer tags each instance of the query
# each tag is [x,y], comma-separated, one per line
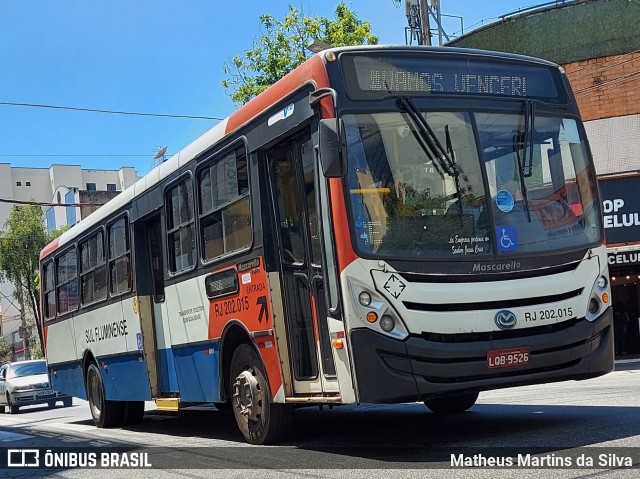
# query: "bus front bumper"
[420,368]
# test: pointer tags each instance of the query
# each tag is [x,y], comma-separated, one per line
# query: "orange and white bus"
[382,225]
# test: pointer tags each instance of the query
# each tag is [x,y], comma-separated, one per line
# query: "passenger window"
[180,227]
[49,291]
[224,208]
[93,269]
[67,269]
[119,257]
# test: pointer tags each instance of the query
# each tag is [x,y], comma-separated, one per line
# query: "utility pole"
[417,12]
[424,23]
[419,28]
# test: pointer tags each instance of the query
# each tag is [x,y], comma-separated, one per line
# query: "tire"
[13,409]
[134,412]
[452,404]
[105,413]
[260,421]
[67,402]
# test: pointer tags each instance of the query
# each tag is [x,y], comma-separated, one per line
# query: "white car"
[24,383]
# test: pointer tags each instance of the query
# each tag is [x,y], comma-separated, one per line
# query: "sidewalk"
[627,364]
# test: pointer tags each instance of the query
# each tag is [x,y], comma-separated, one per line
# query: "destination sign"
[371,77]
[222,283]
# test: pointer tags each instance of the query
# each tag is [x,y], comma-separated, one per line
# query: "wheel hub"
[247,396]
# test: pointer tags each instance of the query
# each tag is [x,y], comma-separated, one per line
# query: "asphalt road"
[598,419]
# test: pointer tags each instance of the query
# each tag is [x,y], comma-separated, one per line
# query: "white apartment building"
[56,184]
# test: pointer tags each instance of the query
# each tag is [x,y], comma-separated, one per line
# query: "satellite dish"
[160,153]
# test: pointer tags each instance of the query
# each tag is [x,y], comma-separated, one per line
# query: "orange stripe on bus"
[49,248]
[312,70]
[345,252]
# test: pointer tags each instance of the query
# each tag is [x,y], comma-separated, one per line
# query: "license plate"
[505,358]
[44,393]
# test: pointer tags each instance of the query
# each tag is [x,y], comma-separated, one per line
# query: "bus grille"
[501,304]
[499,335]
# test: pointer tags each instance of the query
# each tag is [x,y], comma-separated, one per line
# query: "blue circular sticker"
[504,201]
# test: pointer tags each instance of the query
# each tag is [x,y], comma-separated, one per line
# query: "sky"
[146,56]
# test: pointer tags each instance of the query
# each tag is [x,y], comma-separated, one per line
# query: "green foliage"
[23,237]
[282,46]
[5,350]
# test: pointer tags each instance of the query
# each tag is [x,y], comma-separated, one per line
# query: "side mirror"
[332,147]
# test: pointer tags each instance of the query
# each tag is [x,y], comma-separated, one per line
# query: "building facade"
[61,184]
[598,44]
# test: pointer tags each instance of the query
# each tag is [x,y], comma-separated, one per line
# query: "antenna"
[160,156]
[160,153]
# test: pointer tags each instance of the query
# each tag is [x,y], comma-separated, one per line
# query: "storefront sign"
[621,209]
[624,258]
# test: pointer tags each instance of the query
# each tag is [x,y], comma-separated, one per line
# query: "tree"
[282,46]
[21,241]
[5,350]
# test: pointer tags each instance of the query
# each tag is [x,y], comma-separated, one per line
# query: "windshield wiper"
[525,160]
[436,150]
[429,142]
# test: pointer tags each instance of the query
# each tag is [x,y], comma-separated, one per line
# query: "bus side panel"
[251,306]
[167,370]
[68,378]
[125,378]
[112,335]
[195,356]
[65,366]
[198,373]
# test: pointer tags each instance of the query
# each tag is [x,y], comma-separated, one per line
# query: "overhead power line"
[74,155]
[617,80]
[42,203]
[113,112]
[71,155]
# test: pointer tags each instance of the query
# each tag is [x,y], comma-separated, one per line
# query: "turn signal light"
[337,343]
[372,317]
[605,298]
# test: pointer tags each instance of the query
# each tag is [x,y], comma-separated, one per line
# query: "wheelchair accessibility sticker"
[507,238]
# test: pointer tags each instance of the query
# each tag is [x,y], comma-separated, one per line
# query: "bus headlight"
[364,298]
[387,323]
[599,297]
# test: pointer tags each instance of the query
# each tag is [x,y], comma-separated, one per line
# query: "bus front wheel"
[105,413]
[452,404]
[259,420]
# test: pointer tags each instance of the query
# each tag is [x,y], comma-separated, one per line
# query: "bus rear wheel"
[105,413]
[452,404]
[259,420]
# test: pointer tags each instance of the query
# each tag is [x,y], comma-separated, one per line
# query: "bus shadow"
[386,436]
[413,424]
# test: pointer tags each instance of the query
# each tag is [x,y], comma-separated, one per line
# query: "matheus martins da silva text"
[547,460]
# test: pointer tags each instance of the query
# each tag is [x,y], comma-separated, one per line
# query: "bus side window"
[93,270]
[67,269]
[49,291]
[119,257]
[224,207]
[180,226]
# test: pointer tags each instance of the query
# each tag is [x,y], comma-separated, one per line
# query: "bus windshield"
[518,185]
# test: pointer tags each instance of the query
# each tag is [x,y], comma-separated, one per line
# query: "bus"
[382,225]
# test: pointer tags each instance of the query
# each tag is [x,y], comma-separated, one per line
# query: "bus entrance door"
[298,243]
[152,310]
